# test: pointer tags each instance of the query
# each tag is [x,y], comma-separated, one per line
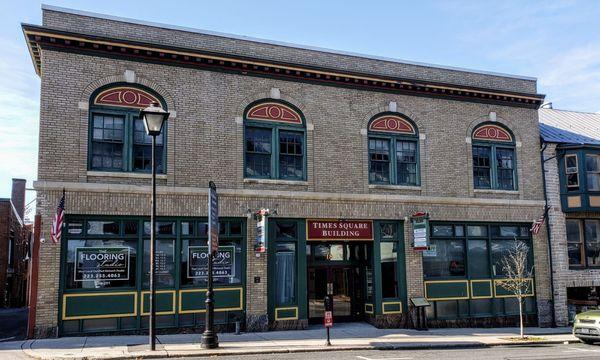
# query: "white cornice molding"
[280,194]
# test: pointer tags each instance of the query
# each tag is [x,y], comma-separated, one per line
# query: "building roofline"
[274,42]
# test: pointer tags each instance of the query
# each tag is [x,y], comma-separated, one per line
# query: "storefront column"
[256,283]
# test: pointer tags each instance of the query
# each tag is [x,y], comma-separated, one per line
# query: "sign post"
[209,337]
[328,318]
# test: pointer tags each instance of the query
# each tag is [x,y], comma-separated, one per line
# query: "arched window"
[274,141]
[118,139]
[494,164]
[393,150]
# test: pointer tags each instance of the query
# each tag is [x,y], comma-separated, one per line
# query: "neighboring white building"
[571,156]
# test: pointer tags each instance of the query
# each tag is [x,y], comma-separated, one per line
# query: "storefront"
[463,273]
[104,274]
[359,262]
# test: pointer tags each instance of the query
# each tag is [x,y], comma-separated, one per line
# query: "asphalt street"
[514,352]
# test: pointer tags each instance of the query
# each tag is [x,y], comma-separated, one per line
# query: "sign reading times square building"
[102,263]
[327,230]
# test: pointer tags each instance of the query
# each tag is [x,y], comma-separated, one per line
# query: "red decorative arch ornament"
[271,111]
[493,133]
[125,97]
[392,124]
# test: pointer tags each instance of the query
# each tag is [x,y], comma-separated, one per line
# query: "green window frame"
[275,150]
[389,248]
[393,159]
[493,167]
[124,147]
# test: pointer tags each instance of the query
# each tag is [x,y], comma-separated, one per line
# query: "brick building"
[345,147]
[15,238]
[571,152]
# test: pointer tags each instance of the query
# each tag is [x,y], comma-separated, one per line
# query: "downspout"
[547,209]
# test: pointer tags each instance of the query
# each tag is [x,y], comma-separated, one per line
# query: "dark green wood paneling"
[392,307]
[164,302]
[481,289]
[225,299]
[502,292]
[447,290]
[99,305]
[282,314]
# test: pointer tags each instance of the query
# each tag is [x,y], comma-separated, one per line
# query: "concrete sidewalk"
[353,336]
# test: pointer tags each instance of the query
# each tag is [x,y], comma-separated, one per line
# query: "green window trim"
[129,116]
[278,138]
[393,142]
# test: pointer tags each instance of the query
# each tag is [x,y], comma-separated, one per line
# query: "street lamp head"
[154,117]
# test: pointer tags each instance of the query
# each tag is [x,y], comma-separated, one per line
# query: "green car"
[587,326]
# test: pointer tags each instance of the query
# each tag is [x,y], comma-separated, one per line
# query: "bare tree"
[517,274]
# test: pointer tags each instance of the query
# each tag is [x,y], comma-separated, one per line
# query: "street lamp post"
[154,117]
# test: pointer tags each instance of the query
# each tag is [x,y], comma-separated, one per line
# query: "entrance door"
[348,300]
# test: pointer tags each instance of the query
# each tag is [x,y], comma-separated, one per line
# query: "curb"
[26,348]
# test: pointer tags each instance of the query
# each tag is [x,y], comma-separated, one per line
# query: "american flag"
[57,221]
[537,224]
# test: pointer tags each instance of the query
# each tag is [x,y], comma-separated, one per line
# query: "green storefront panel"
[165,302]
[287,313]
[501,291]
[447,290]
[226,299]
[393,307]
[481,289]
[99,305]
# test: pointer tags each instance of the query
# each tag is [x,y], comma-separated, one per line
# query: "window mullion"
[493,168]
[275,153]
[128,143]
[393,165]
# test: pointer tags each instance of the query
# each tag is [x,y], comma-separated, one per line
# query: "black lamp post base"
[209,340]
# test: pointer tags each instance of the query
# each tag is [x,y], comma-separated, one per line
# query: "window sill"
[275,182]
[130,175]
[394,187]
[495,191]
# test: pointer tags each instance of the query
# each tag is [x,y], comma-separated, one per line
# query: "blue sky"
[556,41]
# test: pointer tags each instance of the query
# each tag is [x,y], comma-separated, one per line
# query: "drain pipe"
[546,210]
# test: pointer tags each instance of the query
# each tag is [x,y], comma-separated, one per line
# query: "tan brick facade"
[205,142]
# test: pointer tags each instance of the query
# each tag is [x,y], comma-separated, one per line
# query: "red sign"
[326,230]
[328,320]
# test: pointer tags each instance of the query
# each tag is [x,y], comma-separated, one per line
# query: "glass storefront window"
[162,228]
[477,230]
[500,251]
[285,264]
[187,228]
[164,263]
[449,259]
[479,265]
[193,272]
[442,230]
[389,261]
[388,231]
[285,230]
[103,228]
[100,263]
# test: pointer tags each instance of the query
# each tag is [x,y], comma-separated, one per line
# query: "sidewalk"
[352,336]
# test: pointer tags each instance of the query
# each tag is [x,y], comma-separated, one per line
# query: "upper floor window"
[592,168]
[118,139]
[274,142]
[572,171]
[393,151]
[494,164]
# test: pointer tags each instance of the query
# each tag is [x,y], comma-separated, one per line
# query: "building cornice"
[279,194]
[39,38]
